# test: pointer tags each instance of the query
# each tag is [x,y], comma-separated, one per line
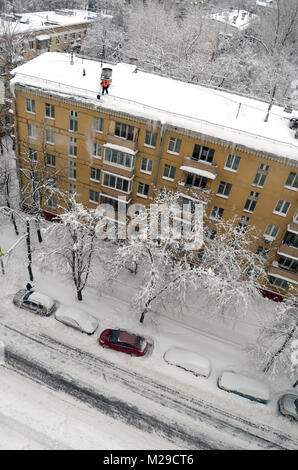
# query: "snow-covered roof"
[213,113]
[40,20]
[238,19]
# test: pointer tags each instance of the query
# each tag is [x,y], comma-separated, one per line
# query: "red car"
[123,341]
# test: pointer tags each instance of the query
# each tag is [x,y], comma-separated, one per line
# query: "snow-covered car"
[189,361]
[244,386]
[288,405]
[77,319]
[36,302]
[123,341]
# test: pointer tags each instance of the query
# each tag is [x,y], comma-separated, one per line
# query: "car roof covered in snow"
[40,298]
[219,114]
[80,316]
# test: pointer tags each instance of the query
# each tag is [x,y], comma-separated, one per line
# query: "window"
[95,174]
[30,106]
[32,155]
[216,213]
[143,189]
[251,201]
[57,40]
[292,181]
[50,137]
[97,151]
[93,196]
[195,181]
[65,37]
[169,172]
[31,130]
[271,231]
[49,111]
[202,153]
[124,130]
[224,189]
[51,182]
[261,175]
[119,158]
[52,203]
[50,160]
[210,234]
[232,163]
[243,223]
[72,189]
[174,145]
[31,45]
[116,182]
[295,217]
[261,250]
[150,139]
[73,121]
[288,263]
[73,149]
[98,124]
[277,282]
[146,166]
[72,170]
[2,70]
[282,207]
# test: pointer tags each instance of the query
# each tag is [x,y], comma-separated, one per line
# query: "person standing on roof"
[105,85]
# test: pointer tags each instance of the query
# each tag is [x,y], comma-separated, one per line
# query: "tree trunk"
[29,251]
[142,316]
[79,293]
[281,349]
[2,264]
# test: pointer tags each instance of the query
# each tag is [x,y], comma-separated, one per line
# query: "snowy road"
[132,397]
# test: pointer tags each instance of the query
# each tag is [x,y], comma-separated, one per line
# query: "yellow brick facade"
[273,190]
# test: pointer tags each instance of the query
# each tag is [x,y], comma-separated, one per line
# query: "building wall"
[241,180]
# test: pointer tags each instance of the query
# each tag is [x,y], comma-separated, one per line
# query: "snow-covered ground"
[147,402]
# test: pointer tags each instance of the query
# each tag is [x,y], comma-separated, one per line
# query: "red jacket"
[105,83]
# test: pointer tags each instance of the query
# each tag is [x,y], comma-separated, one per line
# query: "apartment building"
[152,132]
[26,35]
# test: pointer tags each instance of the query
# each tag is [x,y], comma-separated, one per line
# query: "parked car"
[77,319]
[244,386]
[189,361]
[36,302]
[123,341]
[288,405]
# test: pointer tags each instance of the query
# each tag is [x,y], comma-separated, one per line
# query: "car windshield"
[140,343]
[114,335]
[26,296]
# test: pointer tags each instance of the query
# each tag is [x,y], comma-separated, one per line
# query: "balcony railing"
[114,139]
[200,165]
[277,271]
[288,251]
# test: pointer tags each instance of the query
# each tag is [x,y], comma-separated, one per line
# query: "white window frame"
[283,204]
[174,142]
[148,160]
[73,121]
[141,194]
[33,155]
[50,157]
[226,185]
[97,171]
[234,158]
[216,210]
[262,172]
[106,173]
[152,134]
[169,171]
[31,131]
[49,202]
[73,147]
[269,230]
[30,106]
[50,132]
[95,127]
[72,170]
[252,197]
[96,152]
[295,180]
[52,111]
[93,201]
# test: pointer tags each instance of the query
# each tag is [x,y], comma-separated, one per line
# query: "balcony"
[193,192]
[199,167]
[293,228]
[277,271]
[130,144]
[114,193]
[288,251]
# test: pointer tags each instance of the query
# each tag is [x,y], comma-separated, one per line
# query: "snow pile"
[244,386]
[189,361]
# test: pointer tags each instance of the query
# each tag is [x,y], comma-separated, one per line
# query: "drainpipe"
[162,133]
[16,149]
